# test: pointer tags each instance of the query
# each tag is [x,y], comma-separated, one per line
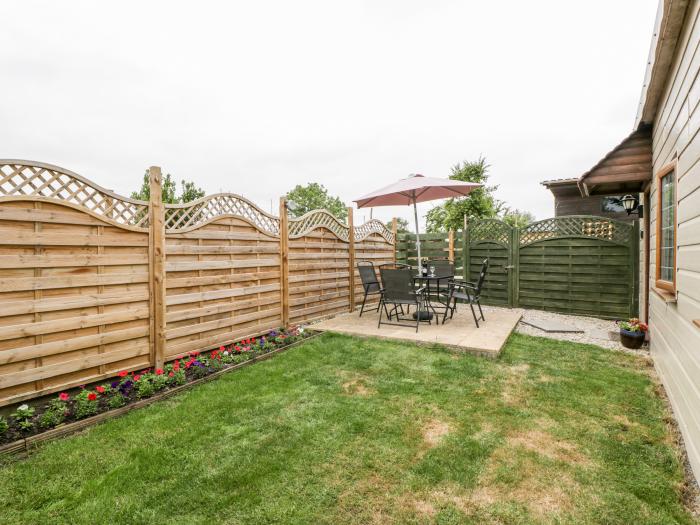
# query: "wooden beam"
[156,243]
[284,261]
[351,259]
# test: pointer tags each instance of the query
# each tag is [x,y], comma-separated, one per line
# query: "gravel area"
[595,331]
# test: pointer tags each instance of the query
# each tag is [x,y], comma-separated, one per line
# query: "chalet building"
[659,163]
[569,201]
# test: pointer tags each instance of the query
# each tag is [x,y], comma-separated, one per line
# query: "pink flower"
[137,377]
[159,371]
[63,396]
[100,389]
[171,374]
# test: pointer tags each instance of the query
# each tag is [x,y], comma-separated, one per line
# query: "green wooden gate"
[583,265]
[492,239]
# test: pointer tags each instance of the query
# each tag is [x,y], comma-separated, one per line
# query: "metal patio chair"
[467,292]
[370,283]
[399,291]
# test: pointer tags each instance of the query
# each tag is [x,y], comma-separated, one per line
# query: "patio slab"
[459,333]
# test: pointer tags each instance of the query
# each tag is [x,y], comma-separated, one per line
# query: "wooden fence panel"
[74,298]
[319,267]
[92,283]
[222,284]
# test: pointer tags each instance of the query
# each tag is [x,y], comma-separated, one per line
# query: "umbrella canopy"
[415,189]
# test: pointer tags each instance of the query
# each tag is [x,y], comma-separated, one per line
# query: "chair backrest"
[393,266]
[398,284]
[443,267]
[482,275]
[368,276]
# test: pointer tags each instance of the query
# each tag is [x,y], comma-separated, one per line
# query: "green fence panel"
[583,265]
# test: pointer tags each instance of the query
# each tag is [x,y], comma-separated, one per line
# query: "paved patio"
[459,333]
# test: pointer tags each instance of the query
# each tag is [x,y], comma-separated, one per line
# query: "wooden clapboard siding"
[222,281]
[319,275]
[74,298]
[674,337]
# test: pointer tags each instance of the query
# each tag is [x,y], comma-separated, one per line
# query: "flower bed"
[131,388]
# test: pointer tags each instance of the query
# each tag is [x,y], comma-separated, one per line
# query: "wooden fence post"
[351,257]
[156,244]
[284,261]
[451,246]
[634,253]
[395,232]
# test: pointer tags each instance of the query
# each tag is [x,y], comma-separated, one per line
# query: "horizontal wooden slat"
[181,315]
[70,303]
[74,365]
[199,328]
[219,294]
[72,323]
[77,260]
[70,281]
[186,282]
[73,239]
[188,249]
[188,266]
[70,345]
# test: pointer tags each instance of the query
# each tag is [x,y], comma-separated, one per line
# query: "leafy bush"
[116,401]
[3,426]
[144,386]
[55,414]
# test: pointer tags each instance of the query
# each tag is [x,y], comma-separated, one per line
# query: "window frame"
[669,286]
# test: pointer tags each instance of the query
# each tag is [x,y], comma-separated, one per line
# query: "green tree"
[315,196]
[401,225]
[518,218]
[480,203]
[189,191]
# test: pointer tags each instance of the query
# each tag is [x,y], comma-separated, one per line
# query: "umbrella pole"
[415,214]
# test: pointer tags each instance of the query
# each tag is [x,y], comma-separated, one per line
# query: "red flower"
[222,348]
[159,371]
[171,374]
[123,373]
[176,365]
[137,377]
[238,348]
[92,396]
[100,389]
[63,396]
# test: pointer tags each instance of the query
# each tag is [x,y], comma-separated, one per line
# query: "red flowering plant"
[56,411]
[86,404]
[633,325]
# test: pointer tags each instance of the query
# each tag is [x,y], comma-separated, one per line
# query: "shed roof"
[625,169]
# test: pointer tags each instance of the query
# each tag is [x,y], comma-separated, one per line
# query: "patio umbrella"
[415,189]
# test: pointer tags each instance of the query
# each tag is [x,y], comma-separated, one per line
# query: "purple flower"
[125,387]
[114,384]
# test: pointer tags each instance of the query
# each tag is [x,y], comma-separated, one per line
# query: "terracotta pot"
[632,340]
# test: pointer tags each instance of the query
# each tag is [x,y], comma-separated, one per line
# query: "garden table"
[430,282]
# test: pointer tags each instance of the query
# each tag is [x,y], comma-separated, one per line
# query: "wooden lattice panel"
[74,299]
[576,226]
[204,210]
[373,227]
[317,219]
[491,230]
[37,180]
[222,284]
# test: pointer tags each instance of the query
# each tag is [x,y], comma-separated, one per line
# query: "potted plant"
[632,333]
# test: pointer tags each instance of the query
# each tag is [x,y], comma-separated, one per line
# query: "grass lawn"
[346,430]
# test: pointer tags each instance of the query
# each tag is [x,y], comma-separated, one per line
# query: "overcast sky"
[255,97]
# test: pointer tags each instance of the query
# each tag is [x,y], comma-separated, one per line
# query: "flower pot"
[632,340]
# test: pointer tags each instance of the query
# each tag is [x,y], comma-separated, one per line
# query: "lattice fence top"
[491,230]
[314,219]
[35,179]
[577,226]
[373,226]
[200,211]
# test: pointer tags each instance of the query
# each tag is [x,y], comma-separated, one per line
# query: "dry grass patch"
[545,444]
[434,431]
[356,385]
[514,377]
